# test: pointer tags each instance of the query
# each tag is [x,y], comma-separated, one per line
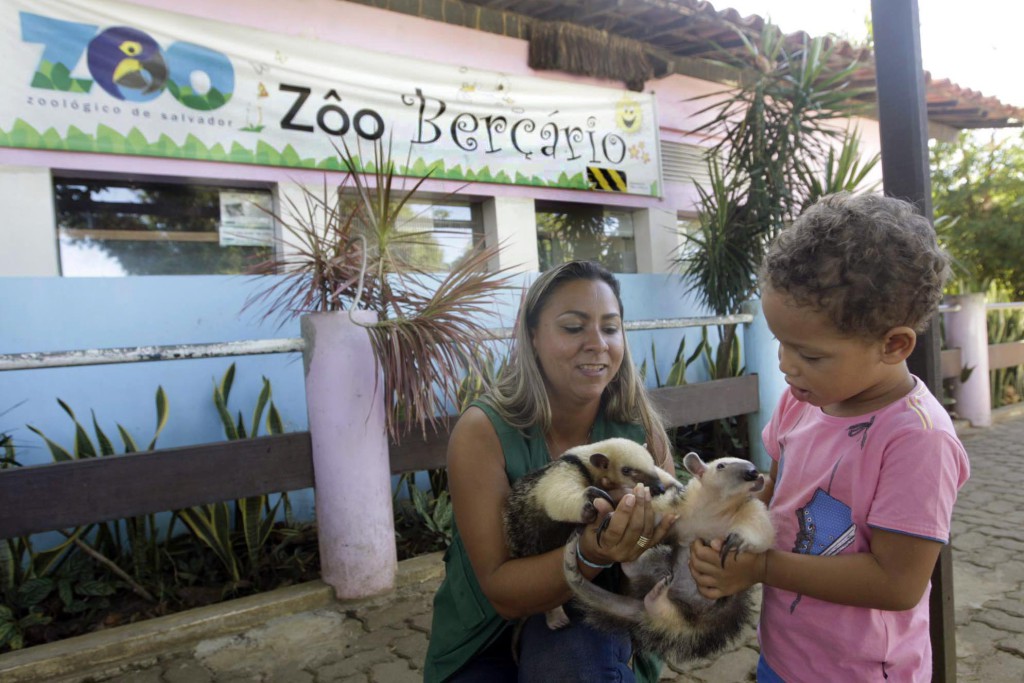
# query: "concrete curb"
[115,646]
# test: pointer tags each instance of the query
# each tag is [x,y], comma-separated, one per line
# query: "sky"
[976,44]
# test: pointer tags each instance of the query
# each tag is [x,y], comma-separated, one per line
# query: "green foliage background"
[978,202]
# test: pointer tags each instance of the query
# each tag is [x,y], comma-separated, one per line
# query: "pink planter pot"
[351,467]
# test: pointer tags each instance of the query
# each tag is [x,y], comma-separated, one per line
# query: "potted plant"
[386,343]
[779,145]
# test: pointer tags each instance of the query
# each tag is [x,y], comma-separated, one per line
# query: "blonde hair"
[519,396]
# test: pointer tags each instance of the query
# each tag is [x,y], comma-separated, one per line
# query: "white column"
[967,330]
[761,357]
[286,196]
[28,232]
[351,469]
[512,222]
[657,237]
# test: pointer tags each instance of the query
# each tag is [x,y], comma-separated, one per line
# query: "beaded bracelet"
[587,562]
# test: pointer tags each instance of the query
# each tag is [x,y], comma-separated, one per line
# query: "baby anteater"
[661,607]
[546,505]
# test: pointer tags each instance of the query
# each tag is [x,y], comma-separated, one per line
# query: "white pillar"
[512,222]
[967,329]
[28,233]
[657,238]
[351,467]
[761,357]
[289,198]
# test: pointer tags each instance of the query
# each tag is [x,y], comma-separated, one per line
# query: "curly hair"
[870,263]
[520,396]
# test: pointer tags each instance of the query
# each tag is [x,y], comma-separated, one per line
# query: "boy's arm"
[893,575]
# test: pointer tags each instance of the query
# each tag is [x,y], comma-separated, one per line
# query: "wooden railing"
[78,492]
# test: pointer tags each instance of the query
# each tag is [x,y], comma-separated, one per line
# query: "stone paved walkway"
[383,640]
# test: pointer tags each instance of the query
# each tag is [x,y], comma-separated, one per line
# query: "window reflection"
[122,227]
[568,231]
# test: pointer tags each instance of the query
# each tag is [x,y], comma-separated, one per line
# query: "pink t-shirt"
[899,469]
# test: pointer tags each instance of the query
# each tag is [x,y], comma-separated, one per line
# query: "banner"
[116,78]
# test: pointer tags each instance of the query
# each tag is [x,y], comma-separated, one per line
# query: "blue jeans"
[765,674]
[578,652]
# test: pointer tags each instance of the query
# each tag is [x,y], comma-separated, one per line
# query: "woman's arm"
[529,585]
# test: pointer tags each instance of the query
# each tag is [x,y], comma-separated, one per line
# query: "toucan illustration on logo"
[127,63]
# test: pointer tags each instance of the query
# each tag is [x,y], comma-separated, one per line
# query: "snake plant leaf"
[267,525]
[274,423]
[261,404]
[106,447]
[210,524]
[220,401]
[58,453]
[443,514]
[161,415]
[226,381]
[9,569]
[677,373]
[127,440]
[84,447]
[45,561]
[249,510]
[83,444]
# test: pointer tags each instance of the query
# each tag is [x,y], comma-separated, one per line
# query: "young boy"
[866,462]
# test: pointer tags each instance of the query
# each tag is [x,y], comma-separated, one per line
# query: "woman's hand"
[631,529]
[716,579]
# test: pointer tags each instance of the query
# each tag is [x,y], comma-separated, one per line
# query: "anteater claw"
[733,544]
[602,527]
[593,493]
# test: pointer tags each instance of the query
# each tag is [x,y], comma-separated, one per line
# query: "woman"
[570,381]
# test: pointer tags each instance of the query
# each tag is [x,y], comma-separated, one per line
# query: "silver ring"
[643,541]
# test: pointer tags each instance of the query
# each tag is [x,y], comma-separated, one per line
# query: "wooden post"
[903,127]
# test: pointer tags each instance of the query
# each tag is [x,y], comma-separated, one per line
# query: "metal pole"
[903,126]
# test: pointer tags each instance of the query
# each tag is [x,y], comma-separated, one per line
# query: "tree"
[978,202]
[780,147]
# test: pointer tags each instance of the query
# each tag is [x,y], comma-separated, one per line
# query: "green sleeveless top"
[464,622]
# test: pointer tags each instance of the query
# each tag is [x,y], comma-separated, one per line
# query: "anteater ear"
[694,465]
[600,460]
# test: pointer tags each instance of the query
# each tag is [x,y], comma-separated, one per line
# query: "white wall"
[28,232]
[657,238]
[512,222]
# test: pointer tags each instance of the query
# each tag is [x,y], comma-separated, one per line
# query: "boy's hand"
[716,579]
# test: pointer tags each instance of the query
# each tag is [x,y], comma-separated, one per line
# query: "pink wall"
[369,28]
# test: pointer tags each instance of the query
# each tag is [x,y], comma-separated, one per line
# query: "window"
[436,235]
[688,226]
[566,232]
[449,230]
[123,227]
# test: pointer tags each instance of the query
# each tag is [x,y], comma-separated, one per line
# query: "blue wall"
[66,314]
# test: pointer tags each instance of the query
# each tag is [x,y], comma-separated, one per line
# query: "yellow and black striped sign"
[607,179]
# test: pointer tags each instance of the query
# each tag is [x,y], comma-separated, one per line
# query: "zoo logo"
[127,63]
